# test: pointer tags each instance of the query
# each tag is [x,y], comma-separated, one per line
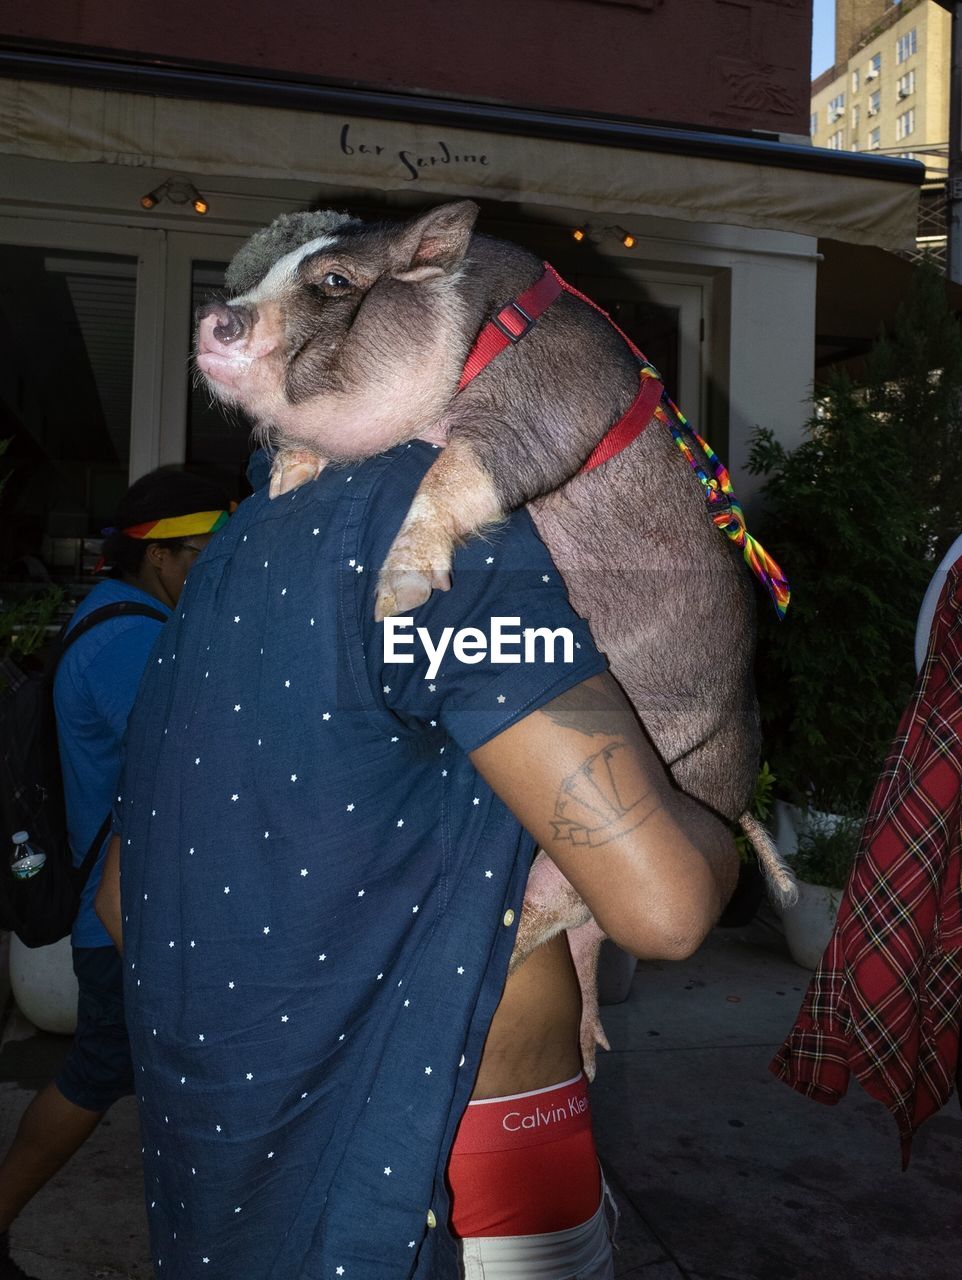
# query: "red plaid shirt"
[885,1001]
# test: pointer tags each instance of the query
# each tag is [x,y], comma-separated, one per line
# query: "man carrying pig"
[324,859]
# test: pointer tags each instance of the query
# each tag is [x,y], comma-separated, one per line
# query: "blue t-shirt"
[94,690]
[320,893]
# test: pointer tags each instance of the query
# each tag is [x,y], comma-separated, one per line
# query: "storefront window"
[67,333]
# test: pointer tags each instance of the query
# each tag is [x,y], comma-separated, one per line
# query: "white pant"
[580,1253]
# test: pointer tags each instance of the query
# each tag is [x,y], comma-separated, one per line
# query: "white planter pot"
[784,826]
[44,985]
[809,923]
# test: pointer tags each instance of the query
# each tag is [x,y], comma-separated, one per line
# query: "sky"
[823,37]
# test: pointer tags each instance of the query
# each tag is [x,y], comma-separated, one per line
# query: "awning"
[202,138]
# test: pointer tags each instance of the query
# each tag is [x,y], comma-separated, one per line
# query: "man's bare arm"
[654,866]
[107,901]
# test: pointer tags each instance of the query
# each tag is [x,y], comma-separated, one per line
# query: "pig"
[341,338]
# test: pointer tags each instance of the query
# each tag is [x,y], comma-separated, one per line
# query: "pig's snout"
[223,323]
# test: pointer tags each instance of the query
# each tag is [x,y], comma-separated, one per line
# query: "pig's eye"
[335,281]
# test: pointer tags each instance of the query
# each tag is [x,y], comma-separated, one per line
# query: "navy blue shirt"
[320,893]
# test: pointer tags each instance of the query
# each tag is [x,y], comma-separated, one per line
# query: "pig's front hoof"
[293,467]
[401,591]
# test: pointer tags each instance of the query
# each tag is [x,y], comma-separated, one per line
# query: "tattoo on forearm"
[589,709]
[603,799]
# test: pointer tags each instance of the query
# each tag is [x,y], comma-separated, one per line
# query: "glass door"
[76,378]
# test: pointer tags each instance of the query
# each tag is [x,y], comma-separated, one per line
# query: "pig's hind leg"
[585,943]
[553,906]
[456,498]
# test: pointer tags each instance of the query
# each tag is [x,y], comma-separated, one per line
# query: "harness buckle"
[502,325]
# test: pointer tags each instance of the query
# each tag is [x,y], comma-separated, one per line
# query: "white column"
[772,358]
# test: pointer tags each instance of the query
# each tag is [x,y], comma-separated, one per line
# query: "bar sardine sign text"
[504,645]
[413,161]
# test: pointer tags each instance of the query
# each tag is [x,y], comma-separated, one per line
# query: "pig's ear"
[433,244]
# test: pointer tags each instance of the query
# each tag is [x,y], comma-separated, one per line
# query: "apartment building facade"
[889,88]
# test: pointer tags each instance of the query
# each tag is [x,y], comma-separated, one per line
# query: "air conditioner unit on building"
[873,111]
[836,115]
[903,93]
[872,74]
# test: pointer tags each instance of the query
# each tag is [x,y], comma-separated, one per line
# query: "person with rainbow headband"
[162,524]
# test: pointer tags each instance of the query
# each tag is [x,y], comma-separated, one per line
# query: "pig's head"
[338,335]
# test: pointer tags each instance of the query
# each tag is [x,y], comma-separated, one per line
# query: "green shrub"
[834,675]
[826,851]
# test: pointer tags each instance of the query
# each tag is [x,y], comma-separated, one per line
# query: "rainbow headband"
[178,526]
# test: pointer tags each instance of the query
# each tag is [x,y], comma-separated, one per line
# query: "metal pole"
[954,192]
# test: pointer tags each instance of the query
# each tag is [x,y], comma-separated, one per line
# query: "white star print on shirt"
[501,697]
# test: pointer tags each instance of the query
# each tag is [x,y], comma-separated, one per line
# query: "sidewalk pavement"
[721,1172]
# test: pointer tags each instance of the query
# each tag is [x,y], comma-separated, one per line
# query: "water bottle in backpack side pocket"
[27,858]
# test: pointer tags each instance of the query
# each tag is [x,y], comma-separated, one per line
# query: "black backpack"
[41,910]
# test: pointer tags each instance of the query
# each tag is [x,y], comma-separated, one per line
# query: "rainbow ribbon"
[723,506]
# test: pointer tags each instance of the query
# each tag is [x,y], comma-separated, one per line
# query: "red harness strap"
[514,321]
[511,324]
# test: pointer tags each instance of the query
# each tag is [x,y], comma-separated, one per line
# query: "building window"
[855,80]
[905,124]
[856,116]
[835,142]
[906,84]
[813,124]
[905,46]
[874,67]
[854,146]
[875,140]
[836,108]
[875,103]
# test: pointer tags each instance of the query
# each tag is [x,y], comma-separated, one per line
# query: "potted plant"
[827,845]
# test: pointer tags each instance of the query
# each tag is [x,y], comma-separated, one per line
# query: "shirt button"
[508,917]
[432,1220]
